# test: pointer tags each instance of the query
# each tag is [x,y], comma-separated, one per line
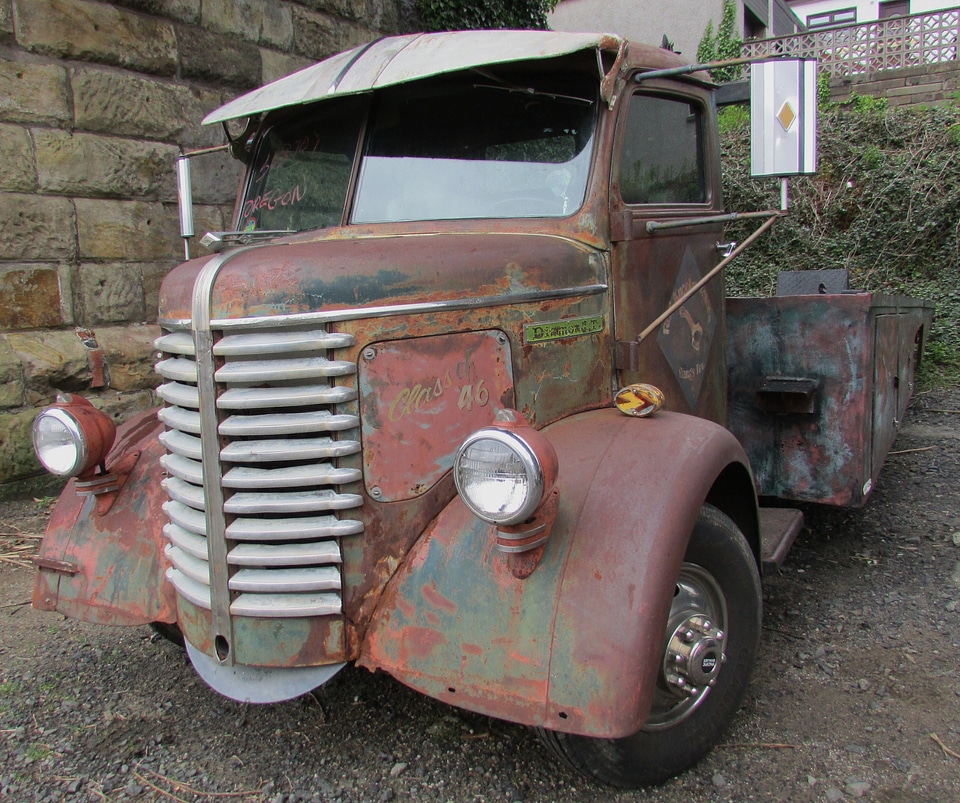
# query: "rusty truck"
[460,398]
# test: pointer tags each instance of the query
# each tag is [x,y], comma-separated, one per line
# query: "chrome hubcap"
[694,648]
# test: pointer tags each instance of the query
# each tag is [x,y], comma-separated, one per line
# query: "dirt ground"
[856,694]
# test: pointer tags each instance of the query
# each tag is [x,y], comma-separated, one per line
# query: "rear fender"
[574,647]
[101,559]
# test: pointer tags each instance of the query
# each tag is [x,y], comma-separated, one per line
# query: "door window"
[662,154]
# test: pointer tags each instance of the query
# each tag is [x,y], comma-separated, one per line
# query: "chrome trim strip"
[188,542]
[312,527]
[191,520]
[179,395]
[273,606]
[294,396]
[287,580]
[249,503]
[273,343]
[190,590]
[311,475]
[283,449]
[323,552]
[273,424]
[355,313]
[278,370]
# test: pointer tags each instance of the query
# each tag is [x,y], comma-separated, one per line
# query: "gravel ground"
[856,694]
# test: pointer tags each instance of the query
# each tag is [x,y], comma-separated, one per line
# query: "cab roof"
[398,59]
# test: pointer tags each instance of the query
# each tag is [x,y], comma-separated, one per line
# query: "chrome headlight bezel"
[84,438]
[74,439]
[528,472]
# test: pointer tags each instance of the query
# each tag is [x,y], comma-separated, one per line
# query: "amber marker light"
[639,400]
[72,438]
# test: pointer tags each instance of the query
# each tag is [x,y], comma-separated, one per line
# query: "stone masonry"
[97,99]
[930,85]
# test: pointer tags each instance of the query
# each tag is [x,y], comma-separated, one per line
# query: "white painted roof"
[397,59]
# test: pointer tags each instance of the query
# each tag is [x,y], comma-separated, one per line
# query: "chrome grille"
[281,439]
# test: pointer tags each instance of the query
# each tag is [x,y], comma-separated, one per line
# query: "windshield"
[301,174]
[473,145]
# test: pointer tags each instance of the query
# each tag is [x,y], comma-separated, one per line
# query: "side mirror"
[783,117]
[185,202]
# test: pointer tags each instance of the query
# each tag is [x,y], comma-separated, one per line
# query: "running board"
[779,526]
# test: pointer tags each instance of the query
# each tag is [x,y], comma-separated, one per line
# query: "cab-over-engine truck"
[461,399]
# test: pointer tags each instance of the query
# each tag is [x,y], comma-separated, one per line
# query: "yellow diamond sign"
[786,116]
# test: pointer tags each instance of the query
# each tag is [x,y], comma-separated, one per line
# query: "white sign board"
[783,117]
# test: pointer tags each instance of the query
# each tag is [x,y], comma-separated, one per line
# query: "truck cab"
[407,419]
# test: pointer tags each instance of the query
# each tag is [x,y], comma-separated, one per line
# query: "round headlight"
[58,443]
[499,476]
[72,438]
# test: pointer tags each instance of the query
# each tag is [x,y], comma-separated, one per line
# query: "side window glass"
[662,159]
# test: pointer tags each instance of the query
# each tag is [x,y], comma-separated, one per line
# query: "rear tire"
[712,635]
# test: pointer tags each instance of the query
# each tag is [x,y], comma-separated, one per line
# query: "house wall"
[683,22]
[867,10]
[648,21]
[96,101]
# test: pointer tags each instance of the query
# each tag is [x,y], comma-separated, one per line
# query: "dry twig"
[946,750]
[761,745]
[179,786]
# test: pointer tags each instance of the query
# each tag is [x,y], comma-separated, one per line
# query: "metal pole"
[697,287]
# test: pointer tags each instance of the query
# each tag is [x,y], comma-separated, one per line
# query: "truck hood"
[386,275]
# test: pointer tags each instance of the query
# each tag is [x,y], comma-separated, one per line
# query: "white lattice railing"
[889,44]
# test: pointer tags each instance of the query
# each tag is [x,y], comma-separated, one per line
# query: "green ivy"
[885,206]
[446,15]
[723,45]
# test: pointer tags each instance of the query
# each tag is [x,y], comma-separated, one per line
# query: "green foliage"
[823,89]
[447,15]
[866,104]
[885,206]
[722,45]
[731,118]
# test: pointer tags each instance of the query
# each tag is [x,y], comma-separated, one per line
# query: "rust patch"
[437,600]
[420,399]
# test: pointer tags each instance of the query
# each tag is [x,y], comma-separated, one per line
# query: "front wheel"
[710,645]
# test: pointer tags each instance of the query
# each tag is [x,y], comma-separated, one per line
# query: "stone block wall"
[929,85]
[97,99]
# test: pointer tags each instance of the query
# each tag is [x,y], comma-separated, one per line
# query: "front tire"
[710,645]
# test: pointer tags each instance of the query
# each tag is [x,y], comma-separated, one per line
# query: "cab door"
[666,169]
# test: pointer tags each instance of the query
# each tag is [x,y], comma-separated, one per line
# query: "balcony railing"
[889,44]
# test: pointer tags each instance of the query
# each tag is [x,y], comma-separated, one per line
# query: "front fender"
[575,646]
[101,559]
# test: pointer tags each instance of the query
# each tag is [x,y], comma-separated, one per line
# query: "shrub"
[446,15]
[885,206]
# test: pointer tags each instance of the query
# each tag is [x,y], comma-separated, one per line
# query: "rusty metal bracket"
[719,267]
[64,567]
[96,359]
[788,394]
[626,356]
